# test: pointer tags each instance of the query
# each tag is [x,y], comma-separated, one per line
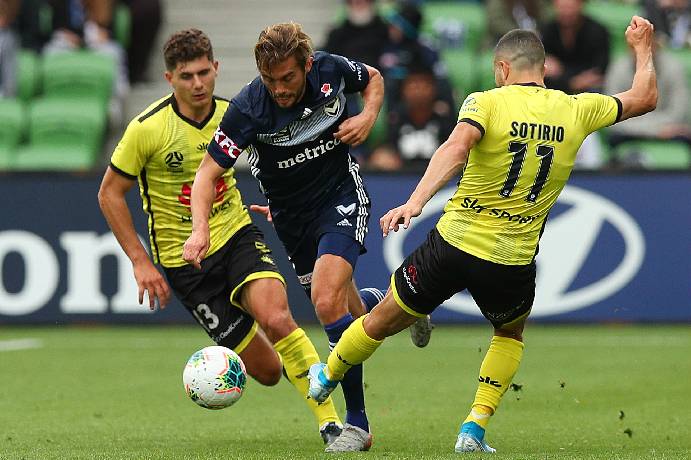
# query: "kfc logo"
[185,197]
[229,147]
[326,89]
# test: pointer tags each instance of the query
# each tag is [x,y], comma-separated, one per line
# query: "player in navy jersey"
[293,122]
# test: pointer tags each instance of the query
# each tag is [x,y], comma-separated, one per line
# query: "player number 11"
[519,149]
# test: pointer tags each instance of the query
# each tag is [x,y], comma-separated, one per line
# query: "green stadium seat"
[64,135]
[122,25]
[12,130]
[485,71]
[378,135]
[78,74]
[12,123]
[657,154]
[460,64]
[465,18]
[615,16]
[28,74]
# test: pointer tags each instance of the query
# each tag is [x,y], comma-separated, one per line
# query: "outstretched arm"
[203,193]
[642,97]
[446,162]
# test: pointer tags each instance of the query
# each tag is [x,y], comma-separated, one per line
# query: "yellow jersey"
[163,149]
[514,174]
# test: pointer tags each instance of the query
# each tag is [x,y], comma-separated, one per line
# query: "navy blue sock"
[371,297]
[353,391]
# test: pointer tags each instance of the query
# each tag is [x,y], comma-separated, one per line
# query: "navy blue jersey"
[292,152]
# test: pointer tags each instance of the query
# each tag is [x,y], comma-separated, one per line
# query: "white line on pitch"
[20,344]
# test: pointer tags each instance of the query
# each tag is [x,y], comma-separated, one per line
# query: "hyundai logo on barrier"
[568,240]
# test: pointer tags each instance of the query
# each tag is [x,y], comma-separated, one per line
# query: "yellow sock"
[354,347]
[298,354]
[496,372]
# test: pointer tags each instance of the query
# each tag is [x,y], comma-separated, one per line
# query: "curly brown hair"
[186,45]
[280,41]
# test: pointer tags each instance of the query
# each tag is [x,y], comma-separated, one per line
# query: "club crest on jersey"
[228,146]
[331,108]
[326,89]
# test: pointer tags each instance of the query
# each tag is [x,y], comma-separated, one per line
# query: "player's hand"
[195,248]
[263,210]
[354,130]
[639,34]
[150,280]
[397,216]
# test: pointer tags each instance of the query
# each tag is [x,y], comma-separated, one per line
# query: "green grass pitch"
[587,392]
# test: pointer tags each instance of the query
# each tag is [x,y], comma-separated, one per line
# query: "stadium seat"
[122,25]
[64,135]
[455,24]
[657,154]
[615,16]
[460,64]
[12,129]
[78,74]
[28,74]
[485,71]
[378,134]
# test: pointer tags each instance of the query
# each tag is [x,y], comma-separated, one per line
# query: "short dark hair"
[278,42]
[522,48]
[186,45]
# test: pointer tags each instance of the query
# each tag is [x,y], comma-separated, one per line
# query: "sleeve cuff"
[620,109]
[220,157]
[470,121]
[121,172]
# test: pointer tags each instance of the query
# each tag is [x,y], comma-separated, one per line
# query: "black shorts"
[347,213]
[212,294]
[437,270]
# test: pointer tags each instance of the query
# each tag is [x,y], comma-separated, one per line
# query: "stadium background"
[87,374]
[614,249]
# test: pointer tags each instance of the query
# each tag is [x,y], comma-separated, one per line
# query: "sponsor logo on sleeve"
[326,89]
[226,144]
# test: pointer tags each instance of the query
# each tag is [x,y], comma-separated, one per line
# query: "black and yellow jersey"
[515,173]
[163,149]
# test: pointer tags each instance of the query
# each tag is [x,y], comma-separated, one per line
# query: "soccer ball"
[214,377]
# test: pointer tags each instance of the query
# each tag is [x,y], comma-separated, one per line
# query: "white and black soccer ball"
[215,377]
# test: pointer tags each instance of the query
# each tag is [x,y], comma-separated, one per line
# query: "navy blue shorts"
[338,228]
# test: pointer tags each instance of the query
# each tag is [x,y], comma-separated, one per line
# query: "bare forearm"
[203,193]
[446,163]
[119,220]
[373,95]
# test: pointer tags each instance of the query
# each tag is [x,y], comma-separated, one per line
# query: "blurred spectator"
[406,51]
[505,15]
[8,48]
[417,125]
[146,21]
[362,36]
[27,25]
[577,49]
[669,121]
[86,24]
[672,19]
